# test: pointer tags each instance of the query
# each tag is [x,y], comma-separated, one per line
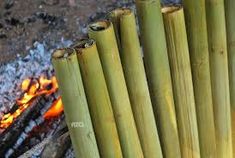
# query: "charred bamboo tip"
[120,11]
[62,53]
[83,44]
[170,9]
[100,25]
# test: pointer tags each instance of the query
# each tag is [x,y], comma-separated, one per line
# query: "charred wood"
[17,131]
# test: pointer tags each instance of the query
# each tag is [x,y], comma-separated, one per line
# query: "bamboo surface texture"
[138,88]
[75,104]
[182,81]
[157,65]
[110,60]
[230,28]
[195,18]
[98,100]
[219,76]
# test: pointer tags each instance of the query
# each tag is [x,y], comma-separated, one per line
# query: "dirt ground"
[22,22]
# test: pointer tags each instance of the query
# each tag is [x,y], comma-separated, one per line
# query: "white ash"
[70,153]
[36,63]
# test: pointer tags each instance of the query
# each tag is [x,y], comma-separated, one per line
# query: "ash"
[35,64]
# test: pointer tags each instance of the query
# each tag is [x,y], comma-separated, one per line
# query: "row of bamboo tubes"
[172,101]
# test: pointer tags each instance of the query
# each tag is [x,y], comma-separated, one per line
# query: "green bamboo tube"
[182,81]
[137,86]
[109,55]
[195,16]
[219,76]
[98,100]
[233,131]
[156,61]
[75,104]
[113,16]
[230,12]
[230,27]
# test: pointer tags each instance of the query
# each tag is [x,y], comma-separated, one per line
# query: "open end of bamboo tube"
[100,25]
[62,53]
[83,44]
[120,11]
[170,9]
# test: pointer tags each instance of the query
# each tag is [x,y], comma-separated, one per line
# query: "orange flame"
[33,89]
[55,110]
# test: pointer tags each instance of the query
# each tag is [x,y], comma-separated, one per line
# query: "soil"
[22,22]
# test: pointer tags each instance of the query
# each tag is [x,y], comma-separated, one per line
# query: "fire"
[56,108]
[33,88]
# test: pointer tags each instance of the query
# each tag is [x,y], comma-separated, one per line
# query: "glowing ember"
[32,89]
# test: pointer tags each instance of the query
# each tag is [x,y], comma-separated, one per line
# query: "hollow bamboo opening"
[170,9]
[120,11]
[100,25]
[62,53]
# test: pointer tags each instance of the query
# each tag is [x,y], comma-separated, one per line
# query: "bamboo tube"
[113,73]
[230,12]
[219,76]
[230,27]
[137,86]
[182,81]
[156,61]
[195,16]
[233,131]
[113,16]
[75,104]
[98,100]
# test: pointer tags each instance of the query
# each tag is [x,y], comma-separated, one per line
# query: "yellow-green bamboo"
[230,28]
[219,76]
[182,81]
[233,127]
[156,61]
[98,100]
[137,86]
[75,104]
[103,33]
[195,18]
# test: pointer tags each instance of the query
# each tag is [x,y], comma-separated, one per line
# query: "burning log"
[230,27]
[98,99]
[19,128]
[126,33]
[103,33]
[182,81]
[57,147]
[59,143]
[216,28]
[54,146]
[75,104]
[195,14]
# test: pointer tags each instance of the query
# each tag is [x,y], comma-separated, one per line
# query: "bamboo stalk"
[137,86]
[195,16]
[182,81]
[113,16]
[75,104]
[103,33]
[98,99]
[219,76]
[156,61]
[230,27]
[230,12]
